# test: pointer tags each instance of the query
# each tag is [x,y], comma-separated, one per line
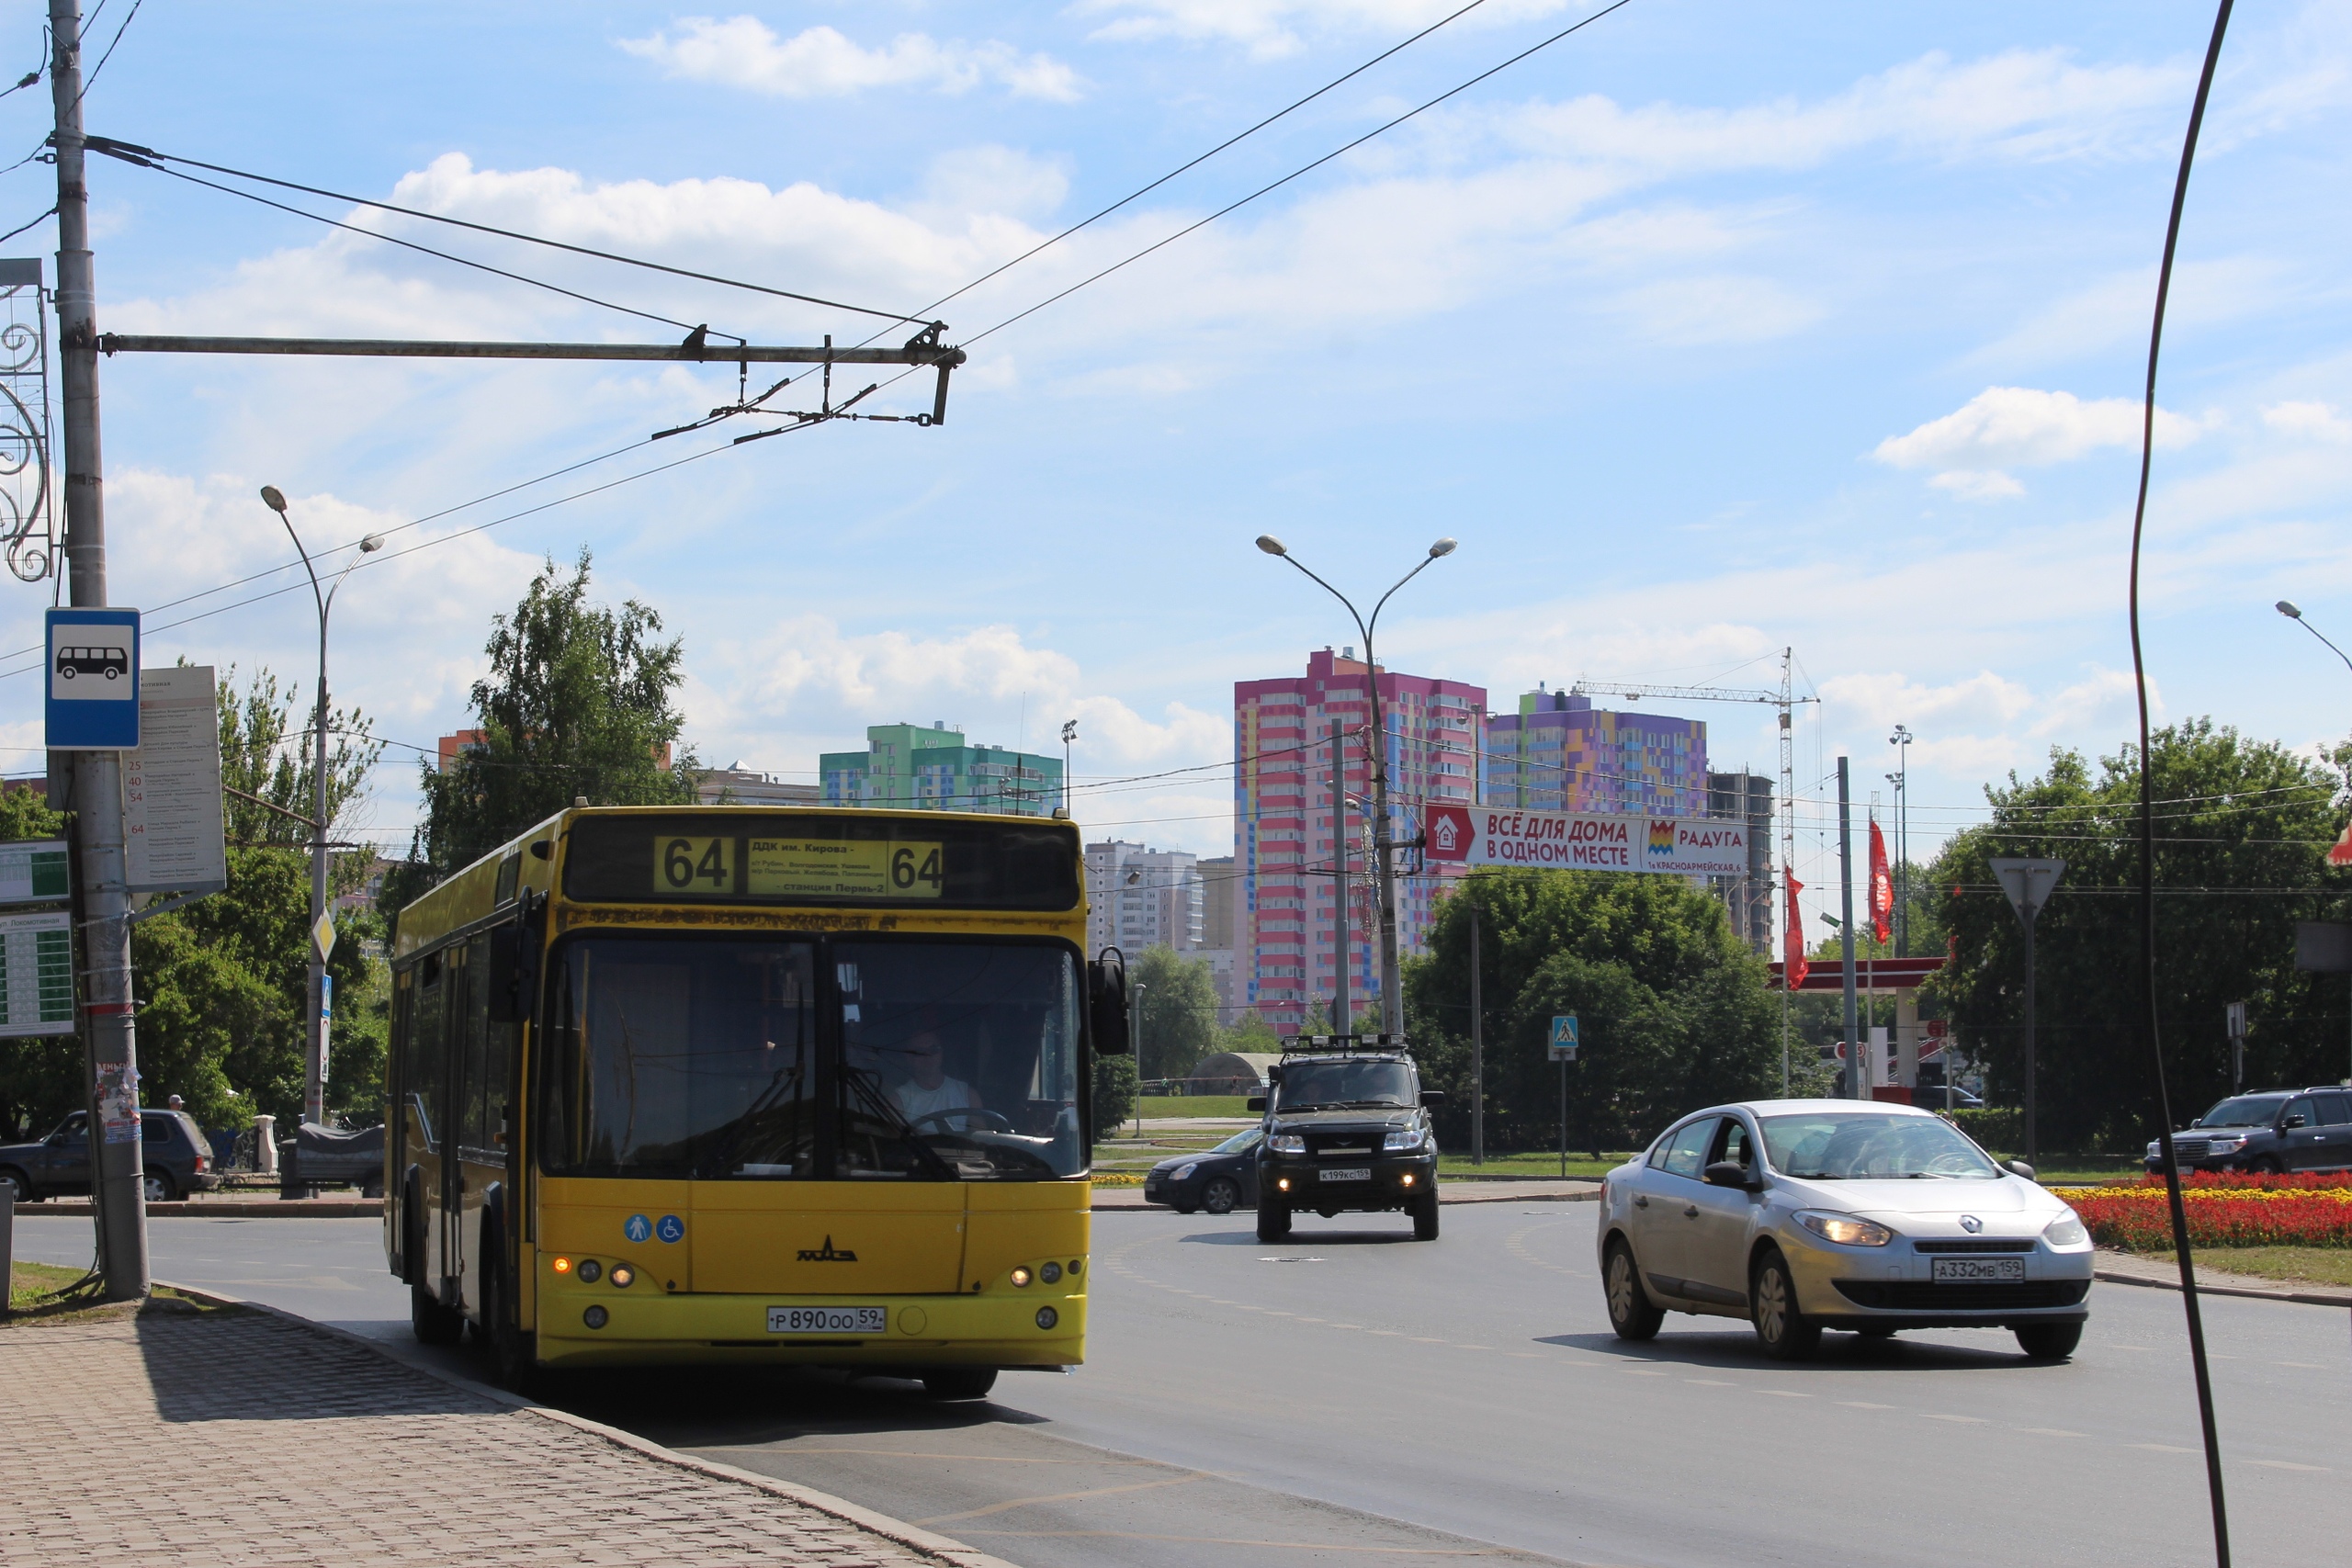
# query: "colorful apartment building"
[1560,753]
[906,767]
[1286,823]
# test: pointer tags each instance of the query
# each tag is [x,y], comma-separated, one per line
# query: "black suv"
[1346,1130]
[175,1151]
[2270,1130]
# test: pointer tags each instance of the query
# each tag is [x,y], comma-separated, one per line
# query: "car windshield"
[1241,1143]
[714,1060]
[1871,1145]
[1327,1085]
[2246,1110]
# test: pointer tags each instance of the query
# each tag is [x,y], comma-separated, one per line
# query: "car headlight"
[1184,1172]
[1846,1230]
[2066,1230]
[1287,1143]
[1404,1138]
[2220,1141]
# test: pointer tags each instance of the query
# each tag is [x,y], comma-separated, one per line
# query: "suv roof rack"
[1299,1045]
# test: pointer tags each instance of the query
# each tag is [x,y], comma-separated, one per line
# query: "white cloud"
[1270,29]
[2021,426]
[820,62]
[1978,484]
[2314,421]
[1892,697]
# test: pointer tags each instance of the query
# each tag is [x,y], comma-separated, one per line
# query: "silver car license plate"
[1349,1173]
[1977,1271]
[828,1320]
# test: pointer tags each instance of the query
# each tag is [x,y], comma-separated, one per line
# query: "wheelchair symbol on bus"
[636,1227]
[671,1228]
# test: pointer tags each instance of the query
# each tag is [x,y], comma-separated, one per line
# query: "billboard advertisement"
[1576,840]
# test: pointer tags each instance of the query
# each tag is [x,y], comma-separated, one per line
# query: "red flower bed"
[2222,1212]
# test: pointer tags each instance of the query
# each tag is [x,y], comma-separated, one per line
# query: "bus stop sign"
[90,665]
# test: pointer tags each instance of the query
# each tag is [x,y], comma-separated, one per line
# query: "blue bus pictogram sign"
[90,679]
[671,1228]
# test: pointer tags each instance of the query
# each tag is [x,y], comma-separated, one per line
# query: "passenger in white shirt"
[929,1089]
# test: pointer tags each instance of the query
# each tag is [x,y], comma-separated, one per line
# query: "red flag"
[1882,886]
[2340,853]
[1794,963]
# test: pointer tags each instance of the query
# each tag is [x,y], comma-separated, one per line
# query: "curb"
[225,1209]
[1443,1197]
[2248,1292]
[913,1536]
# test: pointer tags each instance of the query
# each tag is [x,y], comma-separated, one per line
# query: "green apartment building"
[906,766]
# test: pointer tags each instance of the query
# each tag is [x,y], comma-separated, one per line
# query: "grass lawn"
[1193,1105]
[2303,1265]
[31,1283]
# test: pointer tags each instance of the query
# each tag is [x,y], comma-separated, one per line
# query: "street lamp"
[1070,733]
[314,1085]
[1392,1001]
[2287,608]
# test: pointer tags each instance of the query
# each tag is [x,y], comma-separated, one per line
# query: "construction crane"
[1785,699]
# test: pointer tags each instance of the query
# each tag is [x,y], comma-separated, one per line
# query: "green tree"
[1673,1010]
[2242,828]
[1175,1013]
[1116,1086]
[578,703]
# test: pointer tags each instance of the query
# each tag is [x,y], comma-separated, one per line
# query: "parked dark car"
[175,1151]
[1220,1180]
[1346,1133]
[2270,1130]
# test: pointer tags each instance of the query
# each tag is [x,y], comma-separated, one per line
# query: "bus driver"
[929,1089]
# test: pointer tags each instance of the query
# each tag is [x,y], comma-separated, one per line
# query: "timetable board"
[37,974]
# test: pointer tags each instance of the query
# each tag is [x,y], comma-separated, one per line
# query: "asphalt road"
[1351,1396]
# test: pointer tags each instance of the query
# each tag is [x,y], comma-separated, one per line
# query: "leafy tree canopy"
[1175,1012]
[578,703]
[2242,829]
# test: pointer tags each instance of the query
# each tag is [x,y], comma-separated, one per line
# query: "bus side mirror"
[1107,989]
[513,983]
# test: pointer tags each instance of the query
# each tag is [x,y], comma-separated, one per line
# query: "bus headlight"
[1021,1277]
[595,1318]
[591,1270]
[1051,1273]
[622,1276]
[1048,1317]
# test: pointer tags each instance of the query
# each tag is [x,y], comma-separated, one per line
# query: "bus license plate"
[1352,1173]
[828,1320]
[1978,1270]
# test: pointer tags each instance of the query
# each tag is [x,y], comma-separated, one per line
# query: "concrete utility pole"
[108,1035]
[1855,1086]
[1478,1050]
[1343,1015]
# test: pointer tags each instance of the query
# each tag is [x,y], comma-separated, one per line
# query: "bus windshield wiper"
[895,1119]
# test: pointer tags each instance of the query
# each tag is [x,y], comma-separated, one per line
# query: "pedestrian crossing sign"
[1563,1038]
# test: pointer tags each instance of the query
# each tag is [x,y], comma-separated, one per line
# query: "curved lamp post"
[314,1085]
[1392,1001]
[2287,608]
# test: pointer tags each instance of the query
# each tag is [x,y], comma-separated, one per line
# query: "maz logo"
[826,1254]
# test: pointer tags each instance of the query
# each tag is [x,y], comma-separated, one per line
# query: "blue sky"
[1710,330]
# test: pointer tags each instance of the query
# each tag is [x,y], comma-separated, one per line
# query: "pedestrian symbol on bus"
[1563,1038]
[636,1227]
[671,1228]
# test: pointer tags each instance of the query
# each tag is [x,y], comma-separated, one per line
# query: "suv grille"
[1343,1145]
[1922,1295]
[2005,1245]
[2191,1149]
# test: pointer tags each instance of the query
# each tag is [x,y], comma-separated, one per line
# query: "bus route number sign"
[691,866]
[694,866]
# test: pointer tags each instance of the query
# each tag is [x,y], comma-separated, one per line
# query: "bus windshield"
[685,1057]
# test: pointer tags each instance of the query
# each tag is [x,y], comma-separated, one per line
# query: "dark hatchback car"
[176,1156]
[1346,1133]
[1220,1180]
[2273,1130]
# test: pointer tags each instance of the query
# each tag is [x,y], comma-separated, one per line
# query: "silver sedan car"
[1805,1214]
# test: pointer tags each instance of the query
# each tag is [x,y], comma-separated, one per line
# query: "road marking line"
[1235,1541]
[2301,1366]
[987,1459]
[2053,1432]
[1784,1394]
[1473,1346]
[1864,1404]
[1969,1420]
[1711,1382]
[2287,1464]
[2163,1449]
[1062,1497]
[1424,1339]
[1645,1372]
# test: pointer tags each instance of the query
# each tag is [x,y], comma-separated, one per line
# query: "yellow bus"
[749,1085]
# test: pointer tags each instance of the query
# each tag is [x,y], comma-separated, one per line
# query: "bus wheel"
[431,1321]
[959,1383]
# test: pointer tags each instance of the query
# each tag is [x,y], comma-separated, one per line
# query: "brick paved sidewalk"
[243,1437]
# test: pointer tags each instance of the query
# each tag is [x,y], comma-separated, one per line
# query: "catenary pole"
[108,1035]
[1477,1050]
[1846,929]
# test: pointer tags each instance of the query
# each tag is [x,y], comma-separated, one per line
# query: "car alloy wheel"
[158,1188]
[1780,1327]
[1629,1311]
[1220,1196]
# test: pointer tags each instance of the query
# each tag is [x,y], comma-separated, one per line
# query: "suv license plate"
[828,1320]
[1351,1173]
[1976,1270]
